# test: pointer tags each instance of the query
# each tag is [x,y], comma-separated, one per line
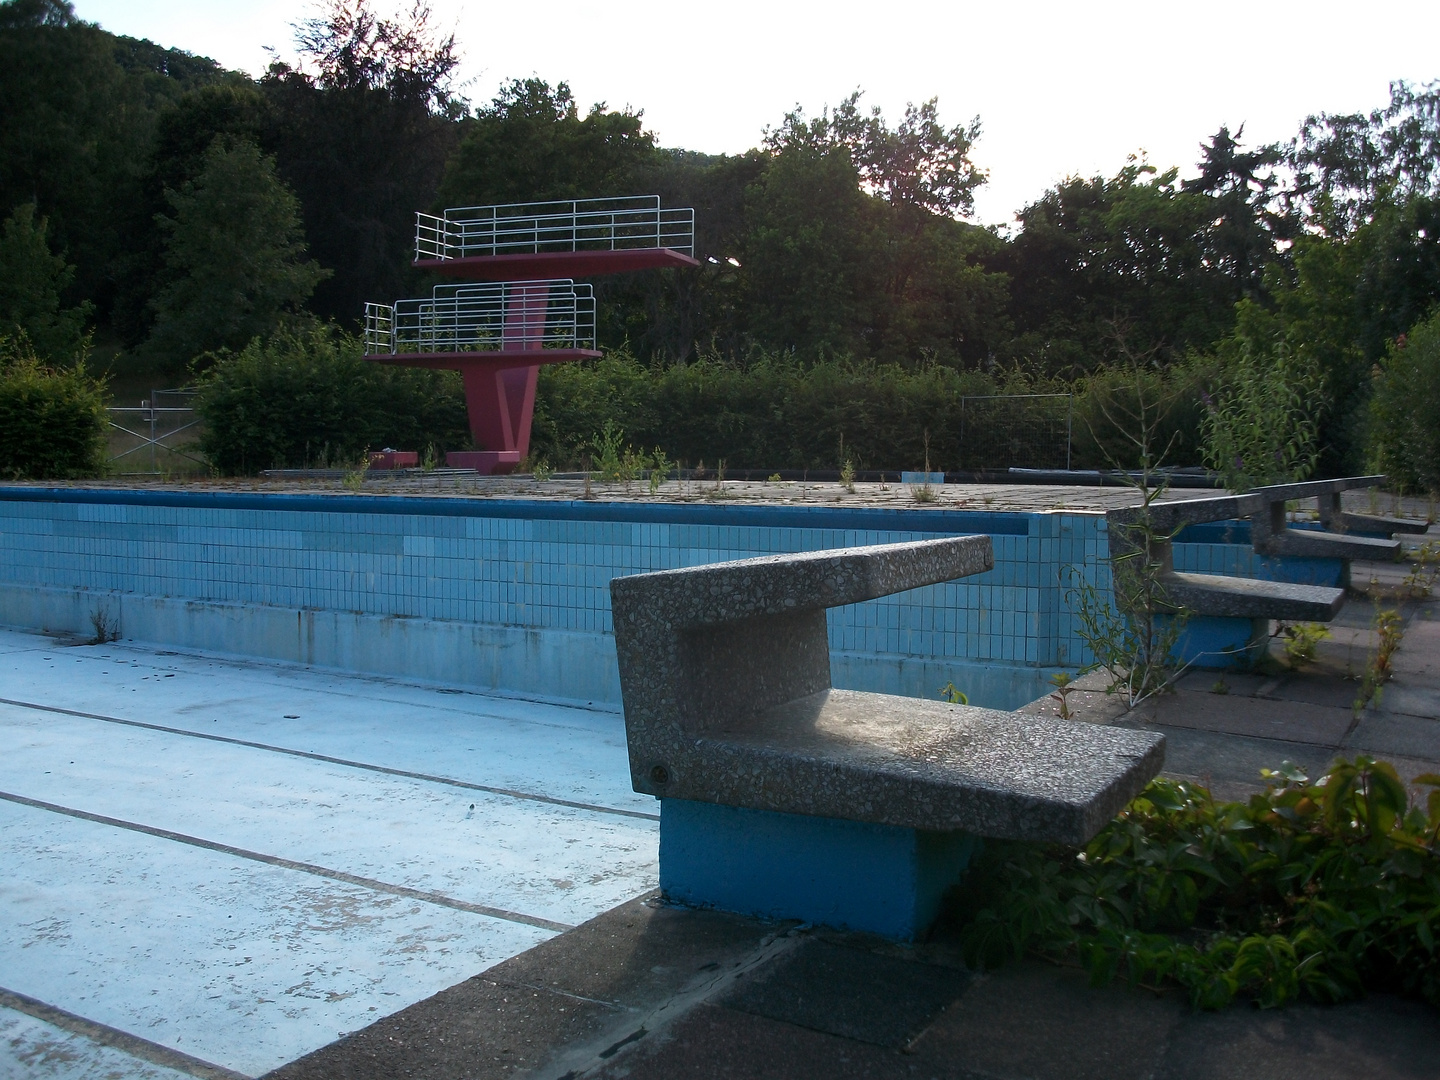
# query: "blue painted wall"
[513,594]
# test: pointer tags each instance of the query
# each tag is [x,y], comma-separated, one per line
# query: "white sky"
[1060,88]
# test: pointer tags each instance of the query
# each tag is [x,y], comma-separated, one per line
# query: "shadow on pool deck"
[649,991]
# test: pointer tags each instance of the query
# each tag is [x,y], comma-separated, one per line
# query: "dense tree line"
[177,210]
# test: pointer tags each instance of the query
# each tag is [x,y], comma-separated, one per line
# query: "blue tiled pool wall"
[546,566]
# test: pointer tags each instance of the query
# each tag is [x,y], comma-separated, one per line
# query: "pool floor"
[211,866]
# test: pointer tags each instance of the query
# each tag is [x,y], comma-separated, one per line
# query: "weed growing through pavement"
[1426,571]
[1061,680]
[354,477]
[1389,631]
[955,696]
[1133,639]
[1301,640]
[106,626]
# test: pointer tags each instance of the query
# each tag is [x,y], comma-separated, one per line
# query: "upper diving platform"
[570,239]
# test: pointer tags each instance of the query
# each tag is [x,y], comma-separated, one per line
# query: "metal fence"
[1003,430]
[489,317]
[151,433]
[577,225]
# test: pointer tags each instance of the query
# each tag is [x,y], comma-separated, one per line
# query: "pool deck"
[213,866]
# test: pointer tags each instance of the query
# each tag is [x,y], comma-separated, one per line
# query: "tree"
[1347,165]
[1098,260]
[234,257]
[1245,189]
[79,106]
[184,131]
[32,281]
[360,129]
[920,164]
[530,144]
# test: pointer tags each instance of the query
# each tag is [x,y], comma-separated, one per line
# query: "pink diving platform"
[521,308]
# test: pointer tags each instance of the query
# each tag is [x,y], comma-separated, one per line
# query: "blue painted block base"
[855,875]
[1208,641]
[1303,570]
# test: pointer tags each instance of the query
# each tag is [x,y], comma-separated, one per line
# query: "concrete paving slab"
[1380,1038]
[1388,734]
[1251,717]
[566,1003]
[1032,1021]
[1408,700]
[854,993]
[1230,764]
[717,1042]
[551,862]
[237,963]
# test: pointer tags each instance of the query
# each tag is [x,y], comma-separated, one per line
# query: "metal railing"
[490,317]
[532,228]
[161,417]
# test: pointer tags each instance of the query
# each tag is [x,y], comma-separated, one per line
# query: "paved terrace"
[453,483]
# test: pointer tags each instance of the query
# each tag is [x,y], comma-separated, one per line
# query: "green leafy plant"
[1132,633]
[1422,576]
[659,466]
[1262,427]
[355,473]
[52,419]
[1301,641]
[1389,630]
[1324,889]
[1061,680]
[953,694]
[847,476]
[1403,432]
[309,397]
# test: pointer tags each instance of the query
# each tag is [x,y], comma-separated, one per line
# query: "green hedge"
[777,413]
[52,420]
[310,398]
[1404,421]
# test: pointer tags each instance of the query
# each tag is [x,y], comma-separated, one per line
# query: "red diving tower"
[523,308]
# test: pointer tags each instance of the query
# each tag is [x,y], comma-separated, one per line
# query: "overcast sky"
[1060,88]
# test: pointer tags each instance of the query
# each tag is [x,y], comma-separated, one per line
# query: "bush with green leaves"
[1404,427]
[310,398]
[52,419]
[1326,888]
[1263,425]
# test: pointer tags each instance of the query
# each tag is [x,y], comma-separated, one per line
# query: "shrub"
[309,397]
[1404,422]
[1109,402]
[772,413]
[1326,889]
[1263,425]
[52,419]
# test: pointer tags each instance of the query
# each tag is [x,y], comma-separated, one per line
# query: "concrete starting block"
[783,797]
[1229,617]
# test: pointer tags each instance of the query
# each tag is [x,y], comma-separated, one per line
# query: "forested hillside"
[168,213]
